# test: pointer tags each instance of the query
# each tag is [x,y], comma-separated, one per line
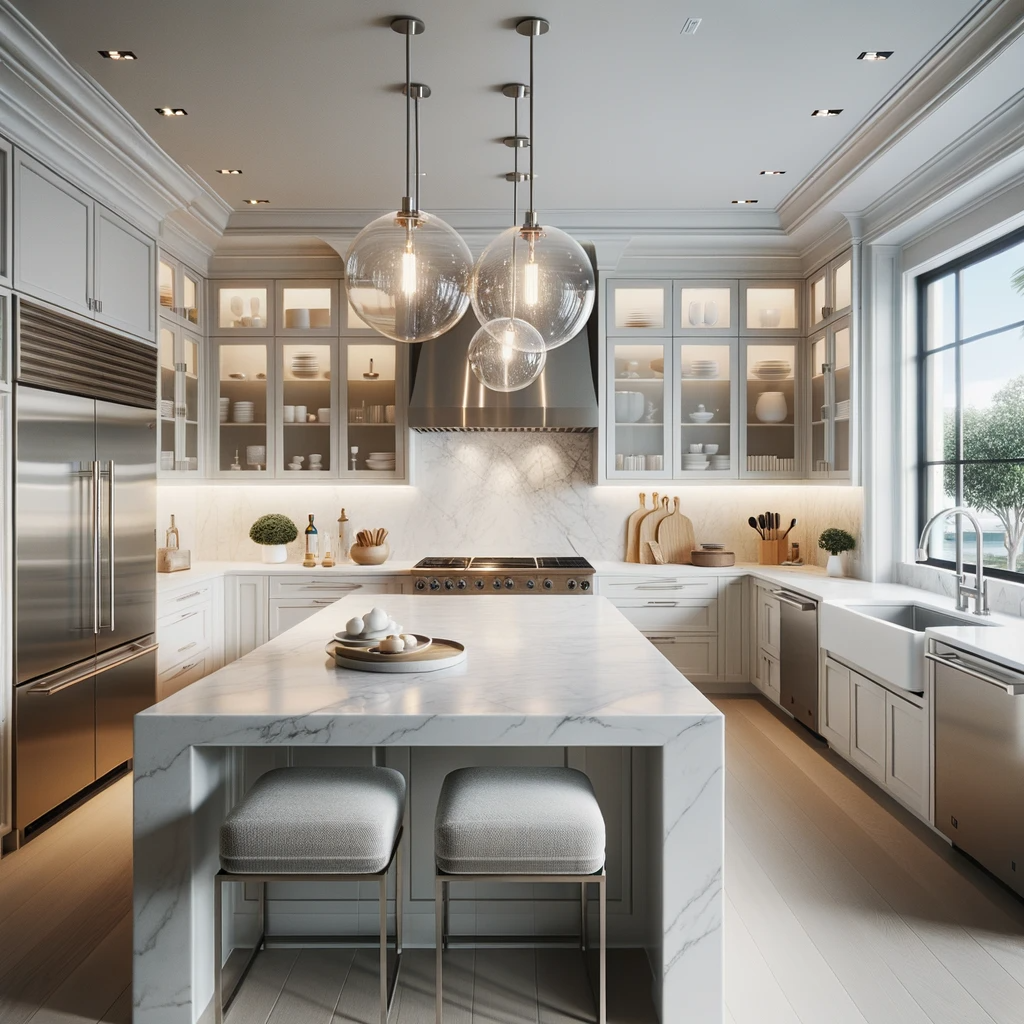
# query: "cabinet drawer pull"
[185,668]
[186,617]
[656,639]
[322,601]
[188,597]
[187,647]
[324,586]
[662,604]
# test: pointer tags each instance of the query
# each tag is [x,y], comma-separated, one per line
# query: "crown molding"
[63,117]
[973,45]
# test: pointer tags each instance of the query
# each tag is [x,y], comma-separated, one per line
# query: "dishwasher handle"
[1014,689]
[805,604]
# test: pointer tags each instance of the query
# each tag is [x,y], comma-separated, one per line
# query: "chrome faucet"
[963,592]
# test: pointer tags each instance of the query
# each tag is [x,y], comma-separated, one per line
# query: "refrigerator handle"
[96,516]
[110,540]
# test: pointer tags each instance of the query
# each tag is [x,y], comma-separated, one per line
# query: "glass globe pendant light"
[507,354]
[408,272]
[542,265]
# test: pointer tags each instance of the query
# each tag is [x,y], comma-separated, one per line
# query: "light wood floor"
[841,909]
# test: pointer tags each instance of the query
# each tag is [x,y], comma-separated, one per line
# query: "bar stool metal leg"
[583,917]
[602,1010]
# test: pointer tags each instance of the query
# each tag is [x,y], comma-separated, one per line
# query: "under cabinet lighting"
[118,54]
[228,170]
[771,174]
[171,111]
[827,112]
[744,202]
[875,55]
[256,202]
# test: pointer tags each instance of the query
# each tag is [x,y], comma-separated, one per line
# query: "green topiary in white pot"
[835,542]
[273,532]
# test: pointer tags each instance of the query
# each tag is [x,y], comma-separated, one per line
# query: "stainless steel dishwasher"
[798,657]
[979,760]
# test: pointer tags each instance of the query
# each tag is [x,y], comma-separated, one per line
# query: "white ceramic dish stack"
[306,366]
[243,412]
[702,369]
[719,462]
[225,408]
[694,461]
[773,369]
[381,461]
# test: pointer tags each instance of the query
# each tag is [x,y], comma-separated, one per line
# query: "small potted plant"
[835,542]
[273,532]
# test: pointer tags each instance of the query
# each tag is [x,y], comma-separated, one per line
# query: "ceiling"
[631,114]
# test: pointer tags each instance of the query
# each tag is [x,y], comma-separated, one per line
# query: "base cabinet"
[695,656]
[834,706]
[246,615]
[867,726]
[906,753]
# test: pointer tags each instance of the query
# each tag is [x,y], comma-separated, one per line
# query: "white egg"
[410,641]
[392,645]
[376,620]
[354,627]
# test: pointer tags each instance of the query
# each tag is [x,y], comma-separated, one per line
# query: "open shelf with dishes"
[831,401]
[772,409]
[179,381]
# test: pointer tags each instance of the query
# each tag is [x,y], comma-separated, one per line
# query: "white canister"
[297,318]
[289,414]
[771,407]
[300,414]
[323,415]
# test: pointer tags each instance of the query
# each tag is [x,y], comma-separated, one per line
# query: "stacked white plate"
[306,365]
[773,369]
[244,412]
[719,462]
[703,368]
[225,406]
[691,461]
[166,409]
[380,461]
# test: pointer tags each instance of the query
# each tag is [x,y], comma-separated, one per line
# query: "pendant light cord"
[515,163]
[416,123]
[532,132]
[408,113]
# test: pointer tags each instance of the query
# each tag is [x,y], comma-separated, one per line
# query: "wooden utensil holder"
[773,552]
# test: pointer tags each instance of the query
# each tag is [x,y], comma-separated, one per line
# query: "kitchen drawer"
[323,586]
[287,612]
[175,600]
[695,656]
[177,678]
[639,586]
[184,634]
[671,614]
[767,674]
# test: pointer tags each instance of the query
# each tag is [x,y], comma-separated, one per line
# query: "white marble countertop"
[556,671]
[1002,646]
[208,570]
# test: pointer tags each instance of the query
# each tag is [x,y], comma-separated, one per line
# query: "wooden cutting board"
[633,529]
[649,531]
[675,537]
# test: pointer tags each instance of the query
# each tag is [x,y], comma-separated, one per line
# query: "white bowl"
[710,449]
[629,406]
[702,417]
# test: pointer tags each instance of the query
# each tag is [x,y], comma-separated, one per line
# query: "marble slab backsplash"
[1004,596]
[500,494]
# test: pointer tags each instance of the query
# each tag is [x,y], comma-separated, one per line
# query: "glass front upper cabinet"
[6,220]
[244,440]
[179,362]
[771,403]
[307,308]
[639,413]
[372,431]
[770,307]
[707,409]
[5,337]
[178,291]
[831,401]
[167,398]
[639,307]
[242,307]
[830,291]
[708,308]
[190,383]
[307,373]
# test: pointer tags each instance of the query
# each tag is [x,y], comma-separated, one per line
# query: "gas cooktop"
[504,562]
[563,574]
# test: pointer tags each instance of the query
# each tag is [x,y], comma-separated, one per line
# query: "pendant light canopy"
[533,272]
[408,272]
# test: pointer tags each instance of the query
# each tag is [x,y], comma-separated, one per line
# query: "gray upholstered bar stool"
[315,825]
[520,825]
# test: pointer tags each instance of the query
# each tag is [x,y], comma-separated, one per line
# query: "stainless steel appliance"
[798,657]
[85,584]
[979,760]
[456,575]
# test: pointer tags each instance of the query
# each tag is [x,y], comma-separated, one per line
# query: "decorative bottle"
[173,541]
[344,538]
[311,544]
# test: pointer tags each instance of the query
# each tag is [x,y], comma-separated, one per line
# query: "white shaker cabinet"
[6,227]
[906,753]
[834,706]
[246,618]
[867,726]
[293,599]
[124,273]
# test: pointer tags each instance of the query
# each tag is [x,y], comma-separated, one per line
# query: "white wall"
[498,494]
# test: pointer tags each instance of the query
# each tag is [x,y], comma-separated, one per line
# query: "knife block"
[773,552]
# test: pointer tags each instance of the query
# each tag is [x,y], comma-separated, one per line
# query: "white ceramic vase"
[273,553]
[771,407]
[834,565]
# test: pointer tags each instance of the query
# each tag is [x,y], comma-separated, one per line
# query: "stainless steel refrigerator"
[84,514]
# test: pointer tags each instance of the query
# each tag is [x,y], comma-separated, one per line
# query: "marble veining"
[562,671]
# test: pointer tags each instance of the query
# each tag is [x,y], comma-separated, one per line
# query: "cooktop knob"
[449,584]
[421,584]
[496,583]
[548,585]
[479,584]
[530,584]
[461,584]
[435,584]
[571,584]
[509,583]
[584,584]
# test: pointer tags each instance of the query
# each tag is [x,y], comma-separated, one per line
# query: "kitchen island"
[546,680]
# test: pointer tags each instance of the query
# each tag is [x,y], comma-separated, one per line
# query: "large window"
[971,387]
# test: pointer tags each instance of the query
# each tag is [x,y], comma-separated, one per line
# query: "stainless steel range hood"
[446,396]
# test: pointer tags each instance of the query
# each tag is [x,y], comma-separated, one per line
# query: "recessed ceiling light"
[256,202]
[690,27]
[875,55]
[118,54]
[228,170]
[171,111]
[771,174]
[744,202]
[827,112]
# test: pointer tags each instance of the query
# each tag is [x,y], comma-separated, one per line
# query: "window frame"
[954,267]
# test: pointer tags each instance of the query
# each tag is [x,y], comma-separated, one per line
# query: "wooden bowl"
[712,559]
[378,554]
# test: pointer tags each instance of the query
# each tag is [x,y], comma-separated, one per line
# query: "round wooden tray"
[440,654]
[712,559]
